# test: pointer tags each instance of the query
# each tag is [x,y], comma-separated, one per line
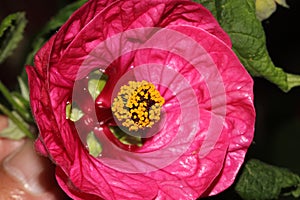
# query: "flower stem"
[20,124]
[293,80]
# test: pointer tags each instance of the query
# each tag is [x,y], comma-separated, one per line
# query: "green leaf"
[13,131]
[19,104]
[260,181]
[238,19]
[209,4]
[296,193]
[93,144]
[11,33]
[53,25]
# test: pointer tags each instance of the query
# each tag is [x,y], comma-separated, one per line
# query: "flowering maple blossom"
[202,121]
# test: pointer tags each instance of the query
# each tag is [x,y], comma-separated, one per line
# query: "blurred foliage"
[11,33]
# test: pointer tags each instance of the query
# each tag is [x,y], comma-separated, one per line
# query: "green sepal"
[260,181]
[73,113]
[94,146]
[11,33]
[96,83]
[125,138]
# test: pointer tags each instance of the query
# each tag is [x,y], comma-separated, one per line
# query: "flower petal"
[217,102]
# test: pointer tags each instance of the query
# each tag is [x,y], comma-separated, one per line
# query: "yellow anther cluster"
[138,105]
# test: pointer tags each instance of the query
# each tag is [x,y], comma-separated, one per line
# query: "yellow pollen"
[138,105]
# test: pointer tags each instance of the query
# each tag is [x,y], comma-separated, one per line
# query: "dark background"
[38,13]
[277,135]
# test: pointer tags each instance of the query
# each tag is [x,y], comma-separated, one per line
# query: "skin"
[13,189]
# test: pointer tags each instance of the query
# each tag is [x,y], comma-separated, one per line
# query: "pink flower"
[191,137]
